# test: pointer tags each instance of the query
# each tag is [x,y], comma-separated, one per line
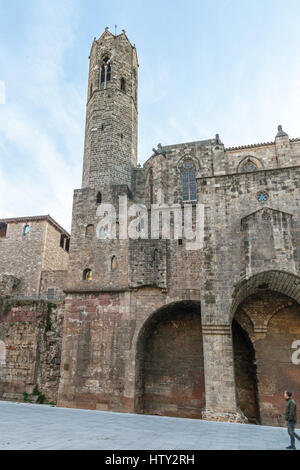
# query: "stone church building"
[147,325]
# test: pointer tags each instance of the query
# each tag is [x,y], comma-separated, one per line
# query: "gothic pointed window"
[105,73]
[188,179]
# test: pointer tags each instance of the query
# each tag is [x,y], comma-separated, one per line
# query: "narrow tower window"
[105,74]
[114,263]
[62,240]
[123,84]
[99,198]
[3,229]
[26,230]
[89,231]
[188,179]
[87,275]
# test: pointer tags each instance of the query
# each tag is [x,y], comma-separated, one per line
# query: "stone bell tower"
[110,150]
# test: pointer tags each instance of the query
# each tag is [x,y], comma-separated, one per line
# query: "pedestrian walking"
[291,418]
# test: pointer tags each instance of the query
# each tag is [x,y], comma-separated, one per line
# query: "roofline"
[35,218]
[227,149]
[194,142]
[263,144]
[123,33]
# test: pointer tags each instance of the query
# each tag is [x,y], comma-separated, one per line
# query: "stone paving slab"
[25,426]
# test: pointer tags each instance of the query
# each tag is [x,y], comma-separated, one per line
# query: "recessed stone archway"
[270,317]
[278,281]
[169,362]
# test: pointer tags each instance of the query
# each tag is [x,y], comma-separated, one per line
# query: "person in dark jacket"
[291,418]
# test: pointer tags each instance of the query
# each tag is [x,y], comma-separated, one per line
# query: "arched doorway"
[170,366]
[268,323]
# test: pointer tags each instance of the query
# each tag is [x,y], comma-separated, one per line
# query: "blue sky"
[206,66]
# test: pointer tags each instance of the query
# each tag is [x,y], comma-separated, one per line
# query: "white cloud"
[45,129]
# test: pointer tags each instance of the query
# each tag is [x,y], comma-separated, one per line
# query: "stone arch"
[279,281]
[2,353]
[187,157]
[169,362]
[271,300]
[250,159]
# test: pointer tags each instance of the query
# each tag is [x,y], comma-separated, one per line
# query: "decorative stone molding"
[216,329]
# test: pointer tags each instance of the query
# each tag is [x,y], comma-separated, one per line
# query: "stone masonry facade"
[149,325]
[29,248]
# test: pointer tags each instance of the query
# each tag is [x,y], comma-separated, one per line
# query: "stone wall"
[22,255]
[32,333]
[55,257]
[102,334]
[54,280]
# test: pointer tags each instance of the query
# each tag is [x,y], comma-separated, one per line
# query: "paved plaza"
[29,426]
